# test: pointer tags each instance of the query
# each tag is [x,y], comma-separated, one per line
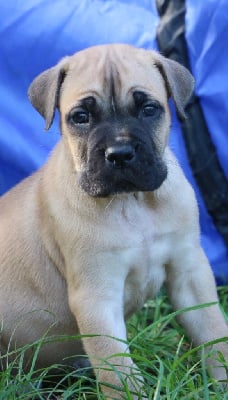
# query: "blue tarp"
[35,34]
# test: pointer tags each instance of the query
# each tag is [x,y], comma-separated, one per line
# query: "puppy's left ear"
[44,90]
[179,82]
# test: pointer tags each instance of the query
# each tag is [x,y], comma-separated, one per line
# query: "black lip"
[97,187]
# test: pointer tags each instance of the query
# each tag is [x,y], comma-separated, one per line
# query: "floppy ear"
[179,82]
[44,91]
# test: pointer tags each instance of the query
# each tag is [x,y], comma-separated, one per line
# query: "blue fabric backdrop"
[35,34]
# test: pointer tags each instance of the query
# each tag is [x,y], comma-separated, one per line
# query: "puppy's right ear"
[44,91]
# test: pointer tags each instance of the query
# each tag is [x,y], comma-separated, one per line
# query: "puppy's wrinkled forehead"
[111,72]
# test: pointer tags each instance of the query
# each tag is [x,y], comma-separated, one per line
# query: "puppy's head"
[115,119]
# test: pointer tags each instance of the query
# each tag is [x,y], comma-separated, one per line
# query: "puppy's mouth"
[122,168]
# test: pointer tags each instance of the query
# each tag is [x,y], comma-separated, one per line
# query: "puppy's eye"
[150,110]
[79,117]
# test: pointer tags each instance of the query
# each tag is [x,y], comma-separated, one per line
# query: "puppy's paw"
[115,384]
[217,363]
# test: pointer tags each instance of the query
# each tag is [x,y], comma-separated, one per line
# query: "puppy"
[110,217]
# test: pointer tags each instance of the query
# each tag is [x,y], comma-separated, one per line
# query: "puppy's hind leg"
[190,282]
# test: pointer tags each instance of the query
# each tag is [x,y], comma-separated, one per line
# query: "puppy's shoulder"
[176,186]
[176,197]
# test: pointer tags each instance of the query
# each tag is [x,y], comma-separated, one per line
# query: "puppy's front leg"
[98,309]
[190,282]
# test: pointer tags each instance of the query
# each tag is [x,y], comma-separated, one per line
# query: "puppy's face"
[116,122]
[113,103]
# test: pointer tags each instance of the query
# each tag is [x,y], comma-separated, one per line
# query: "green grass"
[171,368]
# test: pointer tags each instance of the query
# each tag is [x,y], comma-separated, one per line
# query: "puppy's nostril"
[120,155]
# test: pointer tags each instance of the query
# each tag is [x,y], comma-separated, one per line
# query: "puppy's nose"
[120,155]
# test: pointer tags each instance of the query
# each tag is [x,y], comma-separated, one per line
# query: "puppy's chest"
[145,268]
[140,231]
[142,250]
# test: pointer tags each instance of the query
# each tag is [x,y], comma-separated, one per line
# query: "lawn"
[170,366]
